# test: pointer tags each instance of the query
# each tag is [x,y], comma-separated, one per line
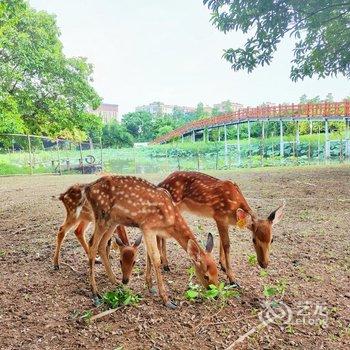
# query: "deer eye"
[206,278]
[254,240]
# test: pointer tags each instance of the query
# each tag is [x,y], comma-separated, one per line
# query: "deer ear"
[210,243]
[119,242]
[276,216]
[193,251]
[244,219]
[138,241]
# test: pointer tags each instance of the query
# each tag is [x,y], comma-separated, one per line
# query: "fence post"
[310,133]
[30,155]
[281,141]
[262,143]
[238,144]
[101,154]
[81,158]
[249,145]
[347,138]
[58,156]
[327,145]
[225,144]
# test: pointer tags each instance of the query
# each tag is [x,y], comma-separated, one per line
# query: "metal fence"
[28,154]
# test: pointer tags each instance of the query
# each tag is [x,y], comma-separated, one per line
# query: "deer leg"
[148,274]
[153,252]
[67,225]
[94,244]
[80,234]
[225,244]
[222,257]
[103,252]
[161,243]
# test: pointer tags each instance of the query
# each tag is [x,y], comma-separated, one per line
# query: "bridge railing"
[310,110]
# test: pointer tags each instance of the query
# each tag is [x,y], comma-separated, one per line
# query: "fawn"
[224,202]
[79,215]
[134,202]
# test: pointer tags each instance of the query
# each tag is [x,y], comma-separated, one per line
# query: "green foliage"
[41,90]
[263,273]
[139,125]
[121,296]
[222,292]
[272,290]
[86,316]
[252,260]
[116,135]
[320,28]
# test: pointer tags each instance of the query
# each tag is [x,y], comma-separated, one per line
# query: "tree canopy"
[41,90]
[321,29]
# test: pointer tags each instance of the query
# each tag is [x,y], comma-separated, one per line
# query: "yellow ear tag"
[241,223]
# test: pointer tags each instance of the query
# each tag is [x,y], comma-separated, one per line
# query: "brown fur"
[131,201]
[224,202]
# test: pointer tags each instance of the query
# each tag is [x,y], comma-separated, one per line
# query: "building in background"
[160,108]
[107,112]
[227,106]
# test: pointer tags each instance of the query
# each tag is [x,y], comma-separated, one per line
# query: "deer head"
[262,232]
[204,264]
[128,253]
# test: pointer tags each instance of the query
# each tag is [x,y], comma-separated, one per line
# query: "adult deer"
[79,215]
[224,202]
[134,202]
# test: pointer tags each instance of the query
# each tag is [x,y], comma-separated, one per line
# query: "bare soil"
[41,308]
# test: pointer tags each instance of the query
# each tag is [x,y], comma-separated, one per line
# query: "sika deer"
[79,214]
[224,202]
[134,202]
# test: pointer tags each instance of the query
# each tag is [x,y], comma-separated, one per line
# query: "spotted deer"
[134,202]
[79,215]
[224,202]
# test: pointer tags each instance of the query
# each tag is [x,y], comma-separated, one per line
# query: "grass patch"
[121,296]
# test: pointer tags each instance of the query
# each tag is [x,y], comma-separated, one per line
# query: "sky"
[167,50]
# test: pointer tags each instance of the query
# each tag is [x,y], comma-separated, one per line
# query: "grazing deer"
[79,215]
[224,202]
[134,202]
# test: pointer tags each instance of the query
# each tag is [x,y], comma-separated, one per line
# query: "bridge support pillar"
[219,134]
[238,145]
[225,144]
[182,138]
[327,143]
[347,138]
[193,136]
[281,140]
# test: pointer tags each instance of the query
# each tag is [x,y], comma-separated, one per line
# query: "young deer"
[79,215]
[134,202]
[224,202]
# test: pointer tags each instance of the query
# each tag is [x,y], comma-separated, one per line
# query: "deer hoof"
[56,267]
[171,305]
[166,268]
[98,261]
[223,268]
[235,284]
[96,300]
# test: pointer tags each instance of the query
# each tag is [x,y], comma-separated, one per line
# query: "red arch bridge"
[323,112]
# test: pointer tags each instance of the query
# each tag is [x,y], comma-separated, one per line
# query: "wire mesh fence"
[28,154]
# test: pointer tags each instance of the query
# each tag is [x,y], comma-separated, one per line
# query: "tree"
[139,125]
[49,91]
[321,29]
[116,135]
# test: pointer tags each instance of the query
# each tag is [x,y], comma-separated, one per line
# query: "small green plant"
[275,289]
[263,273]
[86,316]
[191,272]
[252,260]
[221,292]
[2,253]
[121,296]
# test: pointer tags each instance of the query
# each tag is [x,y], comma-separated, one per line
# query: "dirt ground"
[41,308]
